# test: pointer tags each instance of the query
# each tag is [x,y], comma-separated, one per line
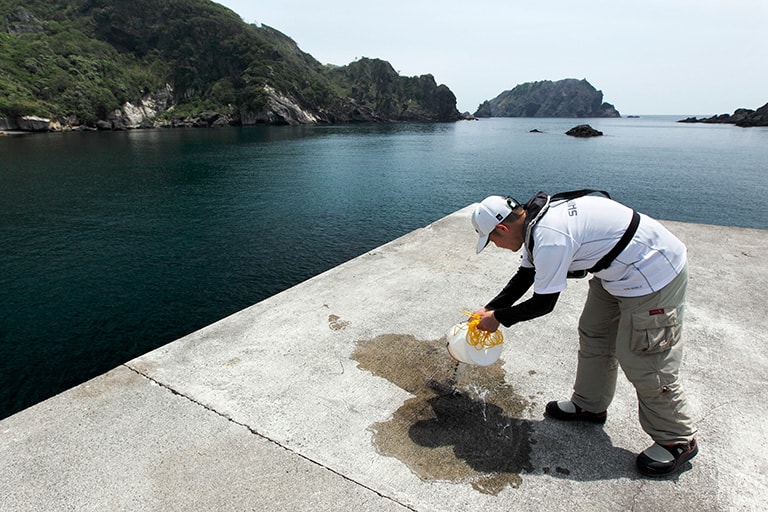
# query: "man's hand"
[488,322]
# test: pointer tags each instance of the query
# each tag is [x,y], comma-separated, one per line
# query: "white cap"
[489,214]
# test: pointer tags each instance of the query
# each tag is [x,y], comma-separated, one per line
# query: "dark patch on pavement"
[460,426]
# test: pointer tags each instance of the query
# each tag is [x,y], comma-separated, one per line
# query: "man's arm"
[515,288]
[502,309]
[538,305]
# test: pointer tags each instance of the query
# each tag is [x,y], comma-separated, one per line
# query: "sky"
[675,57]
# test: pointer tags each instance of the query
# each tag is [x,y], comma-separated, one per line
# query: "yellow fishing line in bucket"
[478,338]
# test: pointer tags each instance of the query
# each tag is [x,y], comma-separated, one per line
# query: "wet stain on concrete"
[336,323]
[464,432]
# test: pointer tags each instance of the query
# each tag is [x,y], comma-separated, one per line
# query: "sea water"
[114,243]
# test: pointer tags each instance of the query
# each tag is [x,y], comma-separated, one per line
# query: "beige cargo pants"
[643,335]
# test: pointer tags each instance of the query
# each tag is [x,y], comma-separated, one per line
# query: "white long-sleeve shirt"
[574,235]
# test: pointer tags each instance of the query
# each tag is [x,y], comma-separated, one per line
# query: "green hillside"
[79,61]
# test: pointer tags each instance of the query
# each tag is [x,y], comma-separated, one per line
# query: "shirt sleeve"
[536,306]
[515,288]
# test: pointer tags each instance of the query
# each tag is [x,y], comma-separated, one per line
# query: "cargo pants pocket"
[655,331]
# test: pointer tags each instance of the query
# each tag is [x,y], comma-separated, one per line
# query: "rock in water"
[583,130]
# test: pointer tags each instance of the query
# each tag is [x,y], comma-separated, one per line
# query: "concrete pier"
[323,397]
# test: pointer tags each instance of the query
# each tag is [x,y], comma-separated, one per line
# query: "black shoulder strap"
[622,244]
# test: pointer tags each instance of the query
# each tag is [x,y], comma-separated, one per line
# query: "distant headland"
[111,66]
[743,117]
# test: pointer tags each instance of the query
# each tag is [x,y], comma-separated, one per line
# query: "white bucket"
[463,352]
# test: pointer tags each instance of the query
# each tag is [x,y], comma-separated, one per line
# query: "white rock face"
[152,105]
[132,115]
[33,124]
[280,109]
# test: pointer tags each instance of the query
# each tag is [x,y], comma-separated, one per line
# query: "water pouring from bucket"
[468,344]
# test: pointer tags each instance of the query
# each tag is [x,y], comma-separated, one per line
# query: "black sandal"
[553,410]
[662,460]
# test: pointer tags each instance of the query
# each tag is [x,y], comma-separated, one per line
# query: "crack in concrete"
[266,438]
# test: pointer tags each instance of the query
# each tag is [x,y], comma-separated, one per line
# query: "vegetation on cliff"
[564,98]
[83,62]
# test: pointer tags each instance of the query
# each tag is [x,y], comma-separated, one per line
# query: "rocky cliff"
[375,90]
[563,98]
[743,117]
[100,64]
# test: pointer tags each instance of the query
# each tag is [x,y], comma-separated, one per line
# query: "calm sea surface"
[112,244]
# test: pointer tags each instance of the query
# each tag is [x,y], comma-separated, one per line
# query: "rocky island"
[564,98]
